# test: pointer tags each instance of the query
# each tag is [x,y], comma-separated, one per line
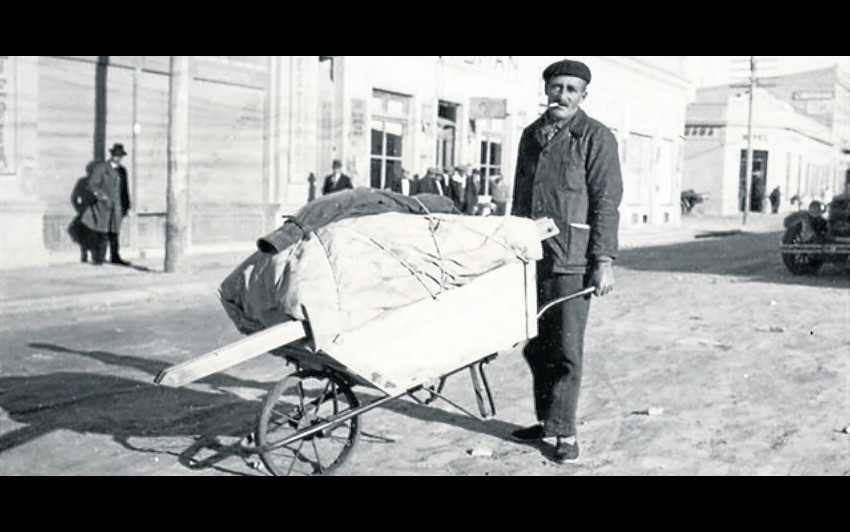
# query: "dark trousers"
[555,355]
[102,240]
[114,244]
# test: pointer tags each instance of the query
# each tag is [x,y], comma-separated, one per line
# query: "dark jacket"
[470,194]
[108,187]
[342,183]
[81,197]
[428,184]
[395,186]
[124,191]
[574,179]
[455,191]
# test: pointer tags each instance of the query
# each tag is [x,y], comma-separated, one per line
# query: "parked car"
[817,235]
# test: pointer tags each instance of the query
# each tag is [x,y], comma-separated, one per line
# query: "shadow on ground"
[754,256]
[127,408]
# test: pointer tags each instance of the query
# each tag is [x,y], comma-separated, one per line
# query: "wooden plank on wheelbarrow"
[230,355]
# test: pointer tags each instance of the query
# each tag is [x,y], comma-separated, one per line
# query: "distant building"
[823,95]
[264,130]
[796,152]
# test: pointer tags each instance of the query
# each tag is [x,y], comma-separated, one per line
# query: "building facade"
[800,155]
[252,142]
[442,111]
[823,95]
[263,132]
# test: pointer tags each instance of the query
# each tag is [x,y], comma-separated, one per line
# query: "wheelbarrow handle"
[557,301]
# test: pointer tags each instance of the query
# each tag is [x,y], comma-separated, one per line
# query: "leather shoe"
[528,434]
[120,262]
[566,449]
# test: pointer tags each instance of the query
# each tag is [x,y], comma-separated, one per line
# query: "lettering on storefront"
[358,118]
[7,149]
[491,63]
[427,117]
[813,95]
[488,108]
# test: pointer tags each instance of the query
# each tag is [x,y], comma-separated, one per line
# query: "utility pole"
[177,201]
[100,75]
[748,172]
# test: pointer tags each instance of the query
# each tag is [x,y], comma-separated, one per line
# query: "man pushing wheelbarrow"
[346,289]
[568,169]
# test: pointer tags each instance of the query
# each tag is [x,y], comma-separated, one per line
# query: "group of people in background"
[469,191]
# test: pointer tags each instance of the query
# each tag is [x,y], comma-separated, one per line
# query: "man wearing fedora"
[568,169]
[108,185]
[336,180]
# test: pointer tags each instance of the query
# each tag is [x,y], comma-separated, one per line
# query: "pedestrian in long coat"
[107,184]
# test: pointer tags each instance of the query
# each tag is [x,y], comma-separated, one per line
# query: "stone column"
[21,212]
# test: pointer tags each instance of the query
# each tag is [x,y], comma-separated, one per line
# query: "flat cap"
[567,67]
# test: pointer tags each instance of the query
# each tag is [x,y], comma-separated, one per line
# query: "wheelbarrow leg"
[483,397]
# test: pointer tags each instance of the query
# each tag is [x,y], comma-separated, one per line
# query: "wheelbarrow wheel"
[298,403]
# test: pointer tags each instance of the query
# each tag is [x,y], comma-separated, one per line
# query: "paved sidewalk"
[62,286]
[700,226]
[84,285]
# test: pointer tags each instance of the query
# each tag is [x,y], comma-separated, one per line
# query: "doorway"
[446,135]
[758,186]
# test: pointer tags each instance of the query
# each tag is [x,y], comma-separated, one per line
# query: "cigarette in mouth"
[554,104]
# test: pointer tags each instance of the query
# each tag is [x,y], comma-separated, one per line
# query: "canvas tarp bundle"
[348,272]
[360,201]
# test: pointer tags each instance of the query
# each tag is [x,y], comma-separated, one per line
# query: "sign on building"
[488,108]
[7,115]
[813,95]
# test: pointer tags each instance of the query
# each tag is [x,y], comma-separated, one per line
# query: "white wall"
[712,164]
[645,95]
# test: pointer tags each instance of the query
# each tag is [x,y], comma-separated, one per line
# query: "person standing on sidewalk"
[108,184]
[336,180]
[81,199]
[775,197]
[432,183]
[568,169]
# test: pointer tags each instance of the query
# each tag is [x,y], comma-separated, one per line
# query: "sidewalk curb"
[103,298]
[208,281]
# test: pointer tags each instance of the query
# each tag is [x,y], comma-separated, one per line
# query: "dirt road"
[744,368]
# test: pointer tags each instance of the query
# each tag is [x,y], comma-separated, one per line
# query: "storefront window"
[387,149]
[388,127]
[491,157]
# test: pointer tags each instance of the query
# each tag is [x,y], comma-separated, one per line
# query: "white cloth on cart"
[353,270]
